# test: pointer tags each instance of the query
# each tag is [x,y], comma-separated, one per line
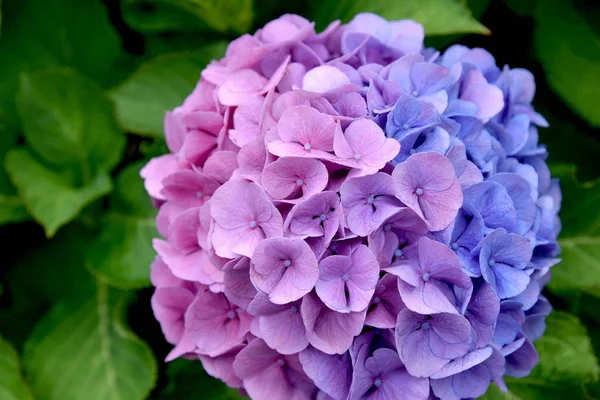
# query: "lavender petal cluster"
[351,215]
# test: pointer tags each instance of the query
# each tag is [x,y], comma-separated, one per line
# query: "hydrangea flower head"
[351,215]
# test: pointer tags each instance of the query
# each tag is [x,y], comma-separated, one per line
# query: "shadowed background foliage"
[83,89]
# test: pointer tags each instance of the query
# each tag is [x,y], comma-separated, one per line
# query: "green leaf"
[581,148]
[12,384]
[566,350]
[580,236]
[69,280]
[477,9]
[159,86]
[68,121]
[439,17]
[50,197]
[162,44]
[523,8]
[567,363]
[163,15]
[11,206]
[11,209]
[493,393]
[37,34]
[153,16]
[83,350]
[29,299]
[186,379]
[122,254]
[569,51]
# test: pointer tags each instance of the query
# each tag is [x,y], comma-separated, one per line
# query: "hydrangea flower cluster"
[351,215]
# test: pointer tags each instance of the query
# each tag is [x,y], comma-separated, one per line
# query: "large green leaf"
[83,350]
[68,121]
[569,50]
[439,17]
[50,197]
[12,384]
[159,86]
[37,34]
[164,15]
[580,236]
[565,350]
[567,363]
[187,379]
[122,253]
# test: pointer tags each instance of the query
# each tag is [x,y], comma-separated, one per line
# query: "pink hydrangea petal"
[184,347]
[287,176]
[308,127]
[169,305]
[284,331]
[252,159]
[184,266]
[214,326]
[155,171]
[220,165]
[205,121]
[488,98]
[197,145]
[364,145]
[174,131]
[161,275]
[240,85]
[221,367]
[407,36]
[292,78]
[183,231]
[188,188]
[323,79]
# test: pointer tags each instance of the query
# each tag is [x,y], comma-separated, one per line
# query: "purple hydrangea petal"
[330,373]
[482,312]
[317,216]
[385,304]
[383,376]
[427,184]
[502,258]
[267,374]
[369,201]
[426,286]
[237,285]
[427,343]
[284,268]
[535,319]
[520,362]
[215,325]
[474,378]
[329,331]
[346,284]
